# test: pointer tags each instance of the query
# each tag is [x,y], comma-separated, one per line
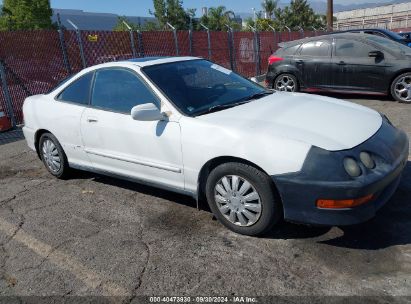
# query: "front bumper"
[323,177]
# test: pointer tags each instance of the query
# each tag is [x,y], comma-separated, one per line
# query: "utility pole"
[330,15]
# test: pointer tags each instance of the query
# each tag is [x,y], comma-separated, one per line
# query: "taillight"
[272,59]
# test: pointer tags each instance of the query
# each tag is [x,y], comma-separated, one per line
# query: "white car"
[194,127]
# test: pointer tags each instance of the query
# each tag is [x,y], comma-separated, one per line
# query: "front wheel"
[401,88]
[286,83]
[242,199]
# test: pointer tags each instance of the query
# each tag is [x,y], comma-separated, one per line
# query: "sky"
[141,7]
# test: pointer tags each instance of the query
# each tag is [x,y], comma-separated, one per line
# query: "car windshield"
[390,44]
[199,87]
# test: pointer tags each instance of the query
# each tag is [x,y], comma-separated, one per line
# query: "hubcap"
[402,88]
[237,200]
[285,84]
[51,155]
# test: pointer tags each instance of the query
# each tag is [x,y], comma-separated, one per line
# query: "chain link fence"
[35,61]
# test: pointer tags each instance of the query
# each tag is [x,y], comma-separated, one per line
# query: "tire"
[401,88]
[53,156]
[286,83]
[243,212]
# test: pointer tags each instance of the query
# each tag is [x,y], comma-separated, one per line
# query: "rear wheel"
[401,88]
[286,83]
[53,156]
[242,198]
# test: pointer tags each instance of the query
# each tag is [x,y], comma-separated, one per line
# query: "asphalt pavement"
[97,236]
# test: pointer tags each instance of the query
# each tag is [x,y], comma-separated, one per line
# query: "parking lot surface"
[93,235]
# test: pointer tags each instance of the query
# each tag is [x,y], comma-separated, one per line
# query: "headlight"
[351,166]
[367,160]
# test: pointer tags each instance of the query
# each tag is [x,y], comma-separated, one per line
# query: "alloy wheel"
[51,156]
[238,200]
[402,89]
[285,84]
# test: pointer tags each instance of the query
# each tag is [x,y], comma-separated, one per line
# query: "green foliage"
[26,15]
[261,24]
[218,18]
[269,6]
[299,13]
[171,11]
[121,27]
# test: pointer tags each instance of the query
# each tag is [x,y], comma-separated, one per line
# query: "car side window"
[120,90]
[376,33]
[352,48]
[78,91]
[320,48]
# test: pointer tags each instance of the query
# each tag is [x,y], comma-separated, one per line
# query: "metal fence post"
[231,46]
[301,30]
[190,41]
[175,38]
[133,47]
[9,104]
[63,45]
[275,36]
[257,50]
[140,44]
[289,32]
[208,40]
[80,43]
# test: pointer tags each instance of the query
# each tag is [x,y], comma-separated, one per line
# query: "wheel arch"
[293,72]
[37,136]
[396,74]
[215,162]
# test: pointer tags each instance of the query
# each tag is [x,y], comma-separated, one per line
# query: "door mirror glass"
[147,112]
[376,54]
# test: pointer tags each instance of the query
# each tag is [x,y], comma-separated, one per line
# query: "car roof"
[140,62]
[347,35]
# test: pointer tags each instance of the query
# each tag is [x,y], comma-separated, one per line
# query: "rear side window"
[352,48]
[79,91]
[321,48]
[290,50]
[120,90]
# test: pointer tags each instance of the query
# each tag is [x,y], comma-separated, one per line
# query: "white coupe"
[188,125]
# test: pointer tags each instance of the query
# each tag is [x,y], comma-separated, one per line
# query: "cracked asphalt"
[96,236]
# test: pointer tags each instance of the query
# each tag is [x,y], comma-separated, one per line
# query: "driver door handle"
[92,119]
[341,63]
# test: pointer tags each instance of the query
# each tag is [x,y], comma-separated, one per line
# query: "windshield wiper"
[216,108]
[259,95]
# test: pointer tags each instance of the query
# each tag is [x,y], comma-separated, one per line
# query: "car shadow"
[390,227]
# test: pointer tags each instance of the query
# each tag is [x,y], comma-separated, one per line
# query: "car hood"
[324,122]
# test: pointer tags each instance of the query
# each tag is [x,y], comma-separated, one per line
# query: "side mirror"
[147,112]
[376,54]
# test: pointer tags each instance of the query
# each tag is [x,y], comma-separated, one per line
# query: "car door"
[313,61]
[145,150]
[354,70]
[65,116]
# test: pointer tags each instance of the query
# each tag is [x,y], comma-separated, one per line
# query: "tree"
[147,26]
[269,6]
[218,18]
[298,14]
[26,14]
[171,11]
